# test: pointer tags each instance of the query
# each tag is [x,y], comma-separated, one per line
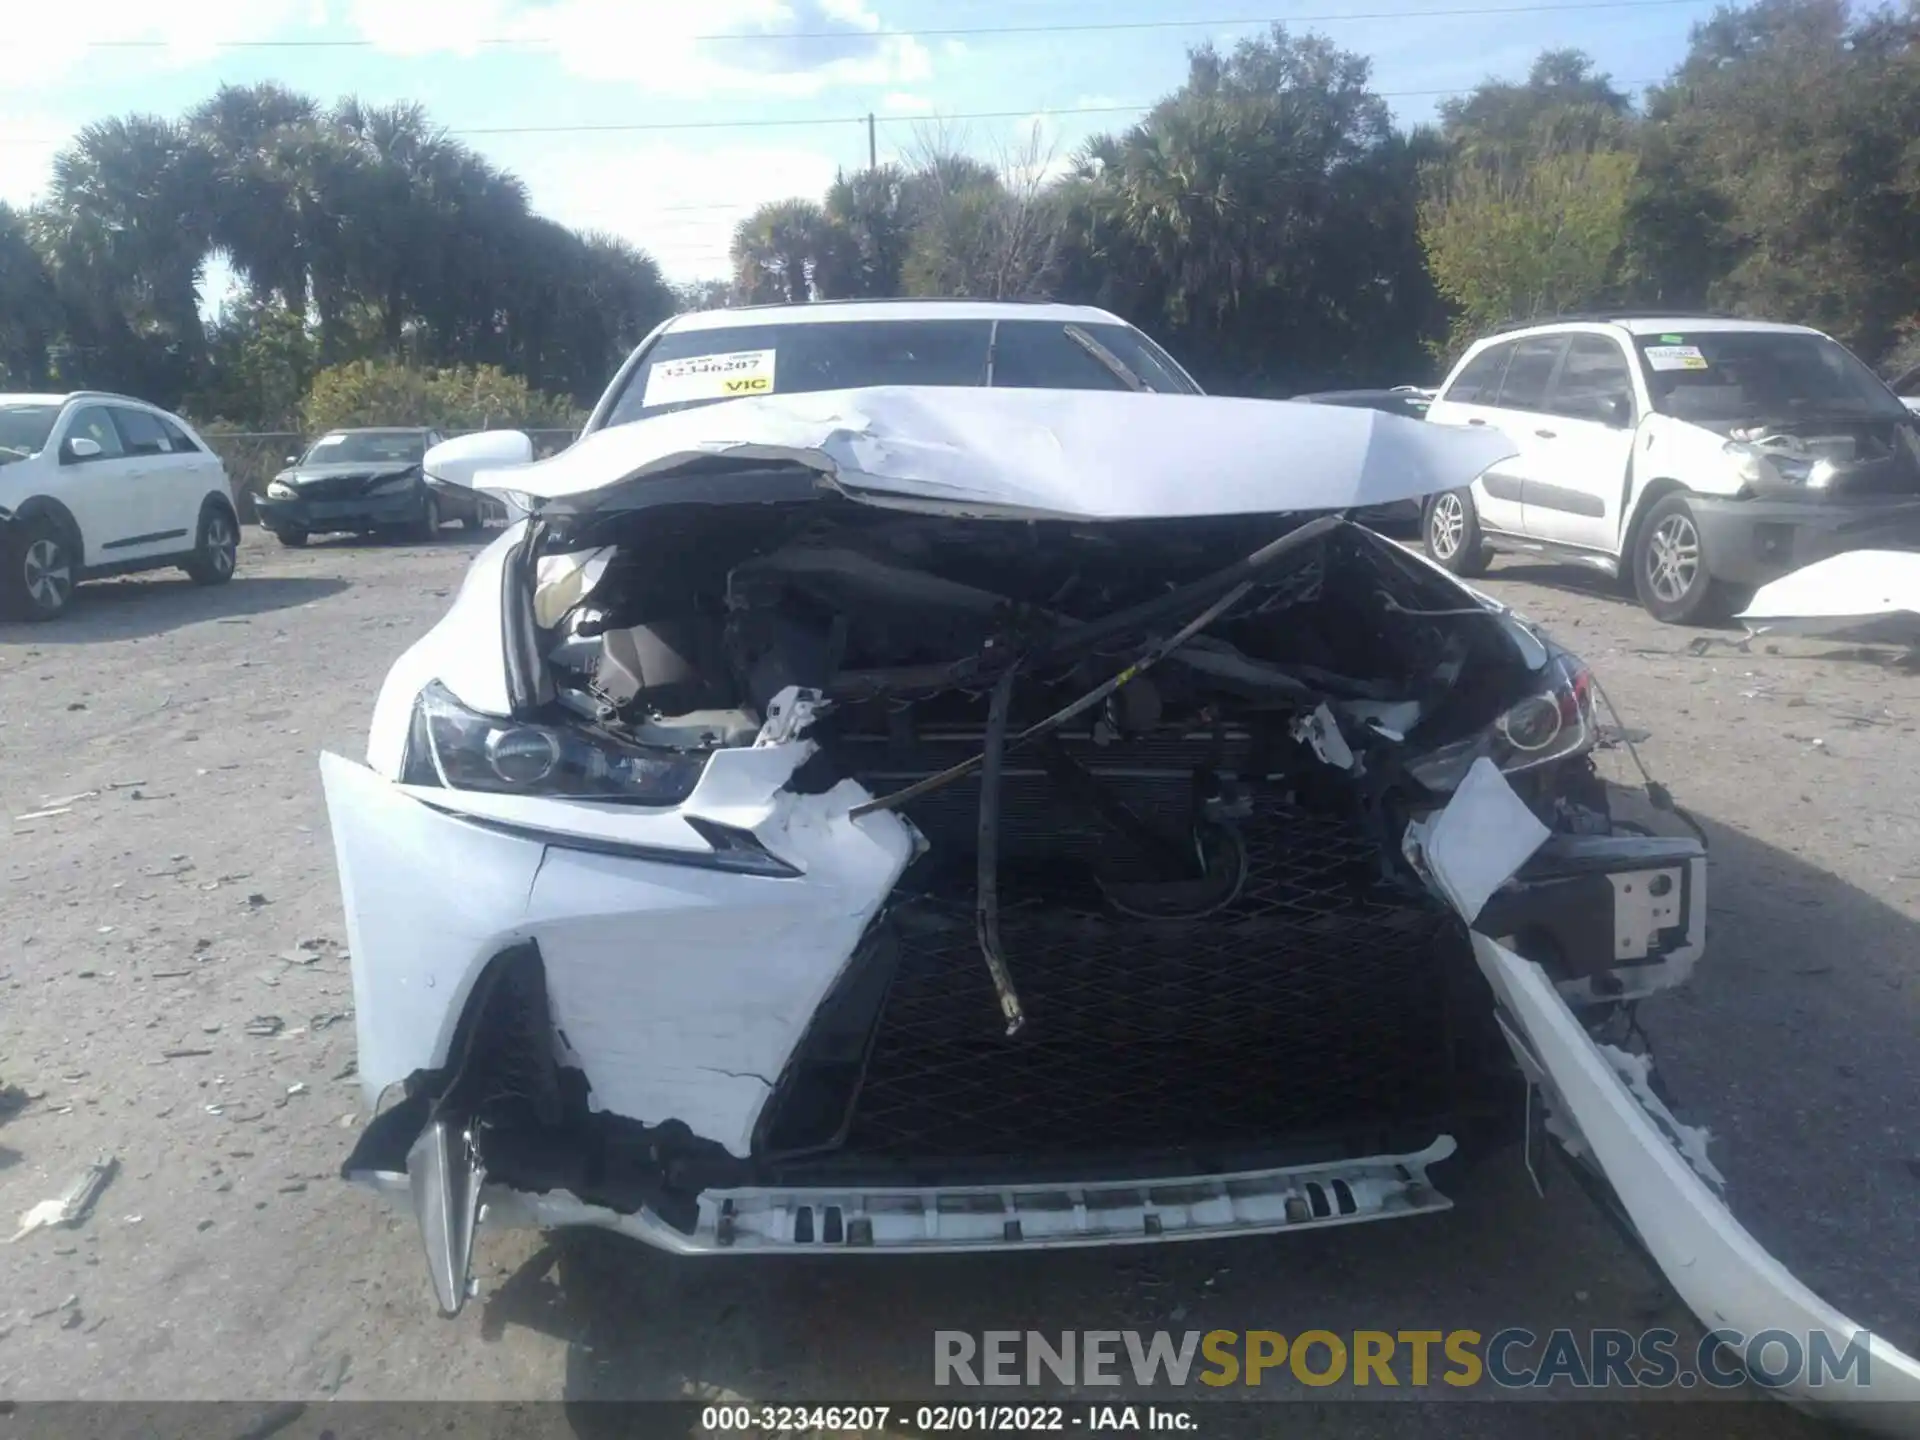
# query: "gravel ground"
[173,993]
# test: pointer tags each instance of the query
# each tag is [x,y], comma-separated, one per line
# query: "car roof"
[378,430]
[1638,325]
[108,396]
[827,312]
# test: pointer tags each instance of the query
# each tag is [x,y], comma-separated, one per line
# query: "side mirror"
[82,448]
[458,461]
[1617,411]
[292,460]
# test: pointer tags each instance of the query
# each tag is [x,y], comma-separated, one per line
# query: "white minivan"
[1697,456]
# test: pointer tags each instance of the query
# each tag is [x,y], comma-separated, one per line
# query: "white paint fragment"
[1392,719]
[1478,842]
[1689,1140]
[1842,593]
[1321,732]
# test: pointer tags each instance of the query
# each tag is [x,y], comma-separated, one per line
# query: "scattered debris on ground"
[72,1206]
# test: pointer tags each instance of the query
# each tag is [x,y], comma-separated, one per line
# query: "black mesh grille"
[1315,1003]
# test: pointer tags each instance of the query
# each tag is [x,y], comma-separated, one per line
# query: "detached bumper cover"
[1656,1167]
[1749,542]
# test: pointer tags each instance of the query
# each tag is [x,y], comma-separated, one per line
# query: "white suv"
[1698,457]
[93,484]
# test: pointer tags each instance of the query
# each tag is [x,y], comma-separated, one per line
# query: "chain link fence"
[253,457]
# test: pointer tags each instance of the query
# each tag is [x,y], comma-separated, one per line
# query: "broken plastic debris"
[1872,593]
[1478,842]
[789,714]
[1321,732]
[44,814]
[71,1207]
[1690,1140]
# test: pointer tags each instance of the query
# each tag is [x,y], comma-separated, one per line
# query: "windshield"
[700,367]
[24,430]
[1722,377]
[368,447]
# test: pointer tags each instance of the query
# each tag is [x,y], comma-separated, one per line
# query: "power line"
[950,31]
[932,117]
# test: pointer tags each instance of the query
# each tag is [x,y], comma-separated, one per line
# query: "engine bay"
[699,617]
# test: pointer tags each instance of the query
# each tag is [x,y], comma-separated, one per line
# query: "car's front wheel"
[293,539]
[1670,567]
[1450,533]
[214,558]
[41,565]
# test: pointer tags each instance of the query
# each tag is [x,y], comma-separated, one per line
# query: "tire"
[1450,534]
[217,550]
[1670,570]
[427,528]
[292,539]
[475,520]
[41,561]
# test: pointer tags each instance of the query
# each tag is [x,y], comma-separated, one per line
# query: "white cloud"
[784,48]
[28,144]
[905,102]
[61,39]
[678,204]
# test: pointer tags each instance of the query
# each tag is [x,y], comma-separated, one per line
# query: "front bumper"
[683,991]
[359,512]
[1749,542]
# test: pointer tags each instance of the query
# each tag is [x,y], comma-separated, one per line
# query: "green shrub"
[378,392]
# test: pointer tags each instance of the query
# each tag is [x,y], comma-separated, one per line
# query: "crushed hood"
[1077,455]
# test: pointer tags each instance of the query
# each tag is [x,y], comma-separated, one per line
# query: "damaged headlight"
[1554,722]
[452,746]
[1774,467]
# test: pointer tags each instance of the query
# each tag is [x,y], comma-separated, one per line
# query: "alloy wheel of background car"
[1451,534]
[1673,558]
[44,573]
[1670,569]
[218,551]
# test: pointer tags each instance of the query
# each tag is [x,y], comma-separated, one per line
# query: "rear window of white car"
[701,367]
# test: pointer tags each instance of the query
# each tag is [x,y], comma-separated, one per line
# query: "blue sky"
[517,65]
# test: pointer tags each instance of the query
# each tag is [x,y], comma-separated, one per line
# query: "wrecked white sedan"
[940,820]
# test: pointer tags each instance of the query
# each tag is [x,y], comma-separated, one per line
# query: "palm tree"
[257,214]
[868,234]
[777,250]
[30,312]
[125,234]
